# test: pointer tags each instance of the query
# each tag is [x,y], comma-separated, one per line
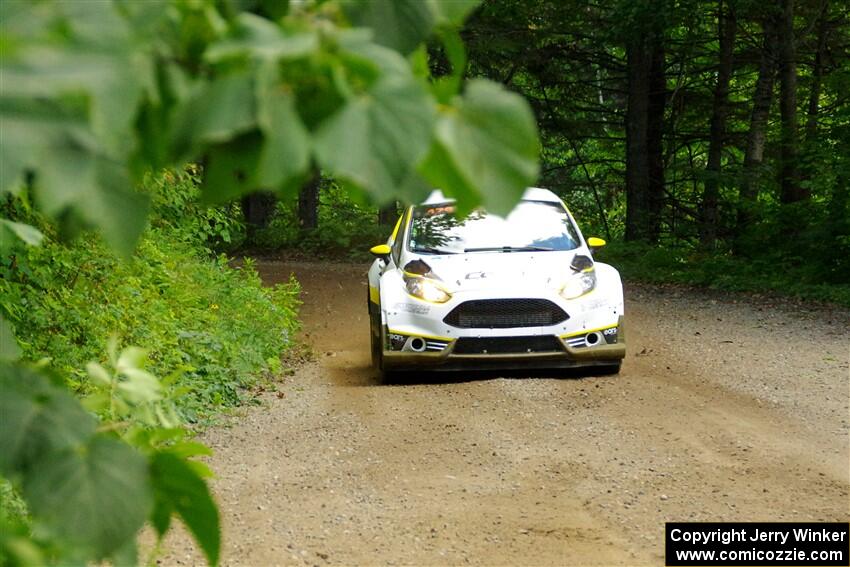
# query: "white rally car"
[488,292]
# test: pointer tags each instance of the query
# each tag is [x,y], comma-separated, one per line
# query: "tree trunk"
[790,189]
[308,204]
[655,132]
[258,209]
[726,24]
[388,214]
[647,92]
[637,162]
[817,77]
[757,135]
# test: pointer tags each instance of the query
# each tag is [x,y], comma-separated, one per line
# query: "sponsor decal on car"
[412,308]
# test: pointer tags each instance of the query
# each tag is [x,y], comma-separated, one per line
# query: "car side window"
[398,242]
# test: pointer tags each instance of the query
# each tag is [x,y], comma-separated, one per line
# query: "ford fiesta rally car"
[486,292]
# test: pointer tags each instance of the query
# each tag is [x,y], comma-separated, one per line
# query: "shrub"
[347,227]
[188,306]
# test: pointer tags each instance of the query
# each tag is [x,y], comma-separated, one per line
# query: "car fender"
[392,290]
[609,284]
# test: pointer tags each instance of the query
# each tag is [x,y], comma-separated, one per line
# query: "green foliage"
[97,95]
[88,111]
[90,485]
[774,272]
[64,111]
[181,490]
[347,227]
[216,322]
[487,147]
[177,209]
[404,24]
[86,486]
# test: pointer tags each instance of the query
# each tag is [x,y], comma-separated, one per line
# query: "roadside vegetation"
[177,293]
[345,228]
[214,331]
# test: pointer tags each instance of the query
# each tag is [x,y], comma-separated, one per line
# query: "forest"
[713,132]
[706,140]
[149,150]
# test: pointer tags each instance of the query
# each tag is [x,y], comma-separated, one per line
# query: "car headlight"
[427,289]
[579,284]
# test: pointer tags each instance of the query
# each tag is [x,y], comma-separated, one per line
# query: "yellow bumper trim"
[567,336]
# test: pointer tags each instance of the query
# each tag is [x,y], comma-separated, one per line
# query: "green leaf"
[231,168]
[72,171]
[446,87]
[98,374]
[96,495]
[127,555]
[276,9]
[257,38]
[9,349]
[285,155]
[139,386]
[217,112]
[92,61]
[376,140]
[131,357]
[67,111]
[25,232]
[451,12]
[179,488]
[485,147]
[36,418]
[404,24]
[98,189]
[398,24]
[161,514]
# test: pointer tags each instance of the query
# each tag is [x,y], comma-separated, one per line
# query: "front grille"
[507,345]
[505,314]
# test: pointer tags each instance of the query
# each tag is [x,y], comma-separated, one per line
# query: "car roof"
[530,194]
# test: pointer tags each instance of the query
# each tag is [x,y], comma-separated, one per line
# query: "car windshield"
[531,226]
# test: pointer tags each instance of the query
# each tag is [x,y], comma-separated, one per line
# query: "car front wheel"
[375,338]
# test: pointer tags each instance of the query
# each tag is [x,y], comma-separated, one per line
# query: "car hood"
[488,270]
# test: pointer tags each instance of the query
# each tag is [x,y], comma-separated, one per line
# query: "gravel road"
[727,409]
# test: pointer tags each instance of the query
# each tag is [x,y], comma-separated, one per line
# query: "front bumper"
[564,354]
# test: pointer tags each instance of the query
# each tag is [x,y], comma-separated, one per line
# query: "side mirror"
[381,251]
[595,243]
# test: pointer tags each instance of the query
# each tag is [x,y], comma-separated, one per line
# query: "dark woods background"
[709,140]
[709,127]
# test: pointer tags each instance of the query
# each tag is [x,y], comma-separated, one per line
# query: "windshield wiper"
[510,249]
[428,250]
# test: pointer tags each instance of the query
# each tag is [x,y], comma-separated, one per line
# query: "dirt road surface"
[726,410]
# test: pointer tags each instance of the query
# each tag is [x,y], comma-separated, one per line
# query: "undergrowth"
[773,273]
[177,296]
[347,229]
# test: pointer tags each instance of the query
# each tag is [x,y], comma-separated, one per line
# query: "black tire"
[377,347]
[375,343]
